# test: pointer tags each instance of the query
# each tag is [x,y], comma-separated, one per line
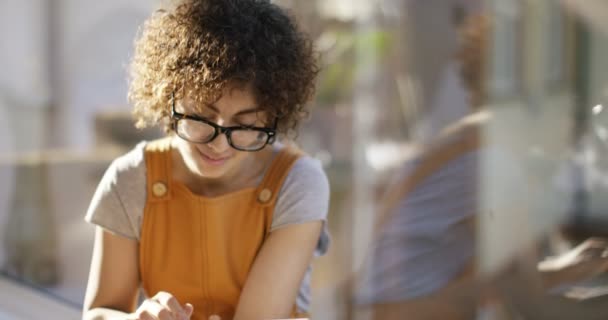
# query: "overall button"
[265,195]
[159,189]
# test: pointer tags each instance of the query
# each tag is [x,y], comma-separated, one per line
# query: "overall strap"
[158,170]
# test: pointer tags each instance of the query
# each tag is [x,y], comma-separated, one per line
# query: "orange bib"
[201,249]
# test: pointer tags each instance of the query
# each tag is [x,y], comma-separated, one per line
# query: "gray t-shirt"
[118,203]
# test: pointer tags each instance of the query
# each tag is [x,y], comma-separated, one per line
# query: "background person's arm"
[455,301]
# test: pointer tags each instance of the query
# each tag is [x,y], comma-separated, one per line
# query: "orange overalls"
[201,249]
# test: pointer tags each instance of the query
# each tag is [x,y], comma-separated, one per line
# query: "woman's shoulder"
[120,196]
[305,172]
[130,162]
[128,176]
[304,192]
[307,169]
[304,197]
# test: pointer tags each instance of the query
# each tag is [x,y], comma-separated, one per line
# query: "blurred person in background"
[215,220]
[422,263]
[425,237]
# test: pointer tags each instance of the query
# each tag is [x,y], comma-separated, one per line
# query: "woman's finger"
[145,315]
[188,309]
[169,301]
[159,311]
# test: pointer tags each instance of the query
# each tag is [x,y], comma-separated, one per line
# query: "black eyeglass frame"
[176,116]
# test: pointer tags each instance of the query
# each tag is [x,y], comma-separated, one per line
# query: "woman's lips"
[213,160]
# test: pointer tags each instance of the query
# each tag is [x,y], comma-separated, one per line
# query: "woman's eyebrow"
[248,111]
[240,113]
[212,107]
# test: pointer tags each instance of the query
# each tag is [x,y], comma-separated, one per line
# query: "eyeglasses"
[200,130]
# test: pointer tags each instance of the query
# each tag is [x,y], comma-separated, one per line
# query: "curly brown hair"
[208,45]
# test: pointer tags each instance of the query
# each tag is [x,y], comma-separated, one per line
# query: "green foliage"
[351,54]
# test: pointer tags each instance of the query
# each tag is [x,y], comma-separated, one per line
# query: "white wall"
[23,77]
[92,42]
[97,39]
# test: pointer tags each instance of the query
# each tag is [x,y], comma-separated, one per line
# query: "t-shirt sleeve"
[117,205]
[429,239]
[304,197]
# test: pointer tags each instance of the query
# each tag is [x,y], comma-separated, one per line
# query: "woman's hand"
[163,306]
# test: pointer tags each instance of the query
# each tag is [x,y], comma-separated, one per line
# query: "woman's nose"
[220,143]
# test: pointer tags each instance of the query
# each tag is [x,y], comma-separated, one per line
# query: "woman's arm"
[113,278]
[114,282]
[272,285]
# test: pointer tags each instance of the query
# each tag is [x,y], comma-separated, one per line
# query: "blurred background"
[397,75]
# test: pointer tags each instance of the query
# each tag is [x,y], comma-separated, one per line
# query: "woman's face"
[217,159]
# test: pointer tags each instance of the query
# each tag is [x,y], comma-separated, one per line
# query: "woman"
[213,221]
